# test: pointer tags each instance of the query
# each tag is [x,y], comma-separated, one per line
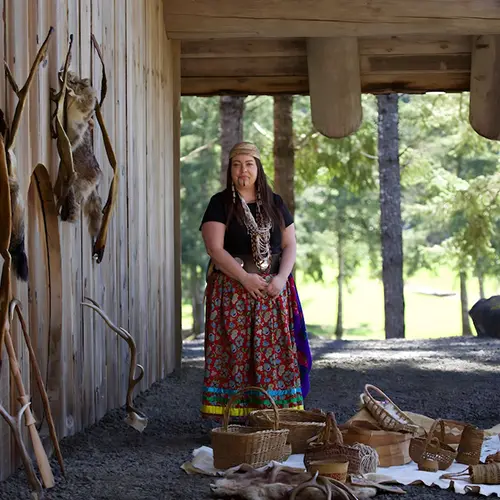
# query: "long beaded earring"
[259,204]
[234,192]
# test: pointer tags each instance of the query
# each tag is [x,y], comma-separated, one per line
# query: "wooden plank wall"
[137,282]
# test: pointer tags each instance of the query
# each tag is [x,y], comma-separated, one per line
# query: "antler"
[15,425]
[15,306]
[312,483]
[66,173]
[22,94]
[328,486]
[100,243]
[135,418]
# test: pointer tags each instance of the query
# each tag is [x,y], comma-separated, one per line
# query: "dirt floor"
[450,378]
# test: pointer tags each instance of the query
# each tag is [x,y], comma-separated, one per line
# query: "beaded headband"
[244,148]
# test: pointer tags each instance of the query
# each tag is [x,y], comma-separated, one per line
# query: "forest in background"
[410,200]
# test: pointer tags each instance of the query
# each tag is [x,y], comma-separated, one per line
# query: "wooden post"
[484,114]
[334,85]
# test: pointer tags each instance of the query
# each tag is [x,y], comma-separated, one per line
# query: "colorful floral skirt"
[252,342]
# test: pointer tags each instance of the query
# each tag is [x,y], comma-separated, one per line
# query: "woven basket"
[431,449]
[453,430]
[237,444]
[494,457]
[479,474]
[469,449]
[302,424]
[330,468]
[386,413]
[392,447]
[329,445]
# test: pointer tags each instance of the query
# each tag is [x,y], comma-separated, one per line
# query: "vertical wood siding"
[84,364]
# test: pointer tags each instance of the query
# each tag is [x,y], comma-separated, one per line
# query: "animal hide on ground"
[275,482]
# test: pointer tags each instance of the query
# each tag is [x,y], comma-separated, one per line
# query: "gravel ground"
[450,378]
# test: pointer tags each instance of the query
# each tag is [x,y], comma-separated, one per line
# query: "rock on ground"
[454,378]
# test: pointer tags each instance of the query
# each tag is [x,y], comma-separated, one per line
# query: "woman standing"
[255,332]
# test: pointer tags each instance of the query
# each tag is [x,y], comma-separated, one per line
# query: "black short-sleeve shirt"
[237,241]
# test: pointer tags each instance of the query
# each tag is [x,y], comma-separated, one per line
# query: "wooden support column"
[334,85]
[485,86]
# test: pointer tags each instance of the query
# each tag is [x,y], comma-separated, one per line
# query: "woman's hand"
[276,286]
[254,284]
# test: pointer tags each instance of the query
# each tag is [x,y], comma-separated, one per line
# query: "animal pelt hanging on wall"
[79,172]
[80,103]
[17,249]
[17,241]
[275,482]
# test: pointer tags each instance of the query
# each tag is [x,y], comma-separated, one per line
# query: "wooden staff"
[41,456]
[15,306]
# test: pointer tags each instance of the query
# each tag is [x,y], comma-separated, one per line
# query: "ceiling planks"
[410,64]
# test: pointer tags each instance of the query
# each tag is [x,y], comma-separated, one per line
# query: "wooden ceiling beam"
[372,83]
[283,66]
[485,86]
[296,47]
[206,19]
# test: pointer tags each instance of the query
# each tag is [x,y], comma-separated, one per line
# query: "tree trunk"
[464,302]
[231,129]
[480,281]
[284,154]
[197,294]
[391,227]
[339,330]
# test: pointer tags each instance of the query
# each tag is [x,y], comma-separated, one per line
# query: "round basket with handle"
[237,444]
[386,413]
[302,424]
[329,444]
[430,449]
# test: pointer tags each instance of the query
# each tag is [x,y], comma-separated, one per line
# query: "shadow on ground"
[450,378]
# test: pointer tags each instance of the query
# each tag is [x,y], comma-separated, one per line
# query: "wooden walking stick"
[15,425]
[41,456]
[15,306]
[135,418]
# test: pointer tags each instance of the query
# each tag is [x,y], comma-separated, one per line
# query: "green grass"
[426,316]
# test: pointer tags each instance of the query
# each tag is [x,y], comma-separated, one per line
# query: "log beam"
[208,19]
[334,85]
[485,86]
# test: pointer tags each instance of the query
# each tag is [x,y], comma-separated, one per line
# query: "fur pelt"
[275,482]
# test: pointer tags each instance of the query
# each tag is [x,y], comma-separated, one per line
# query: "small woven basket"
[430,449]
[329,445]
[386,413]
[237,444]
[453,430]
[469,449]
[479,474]
[333,469]
[302,424]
